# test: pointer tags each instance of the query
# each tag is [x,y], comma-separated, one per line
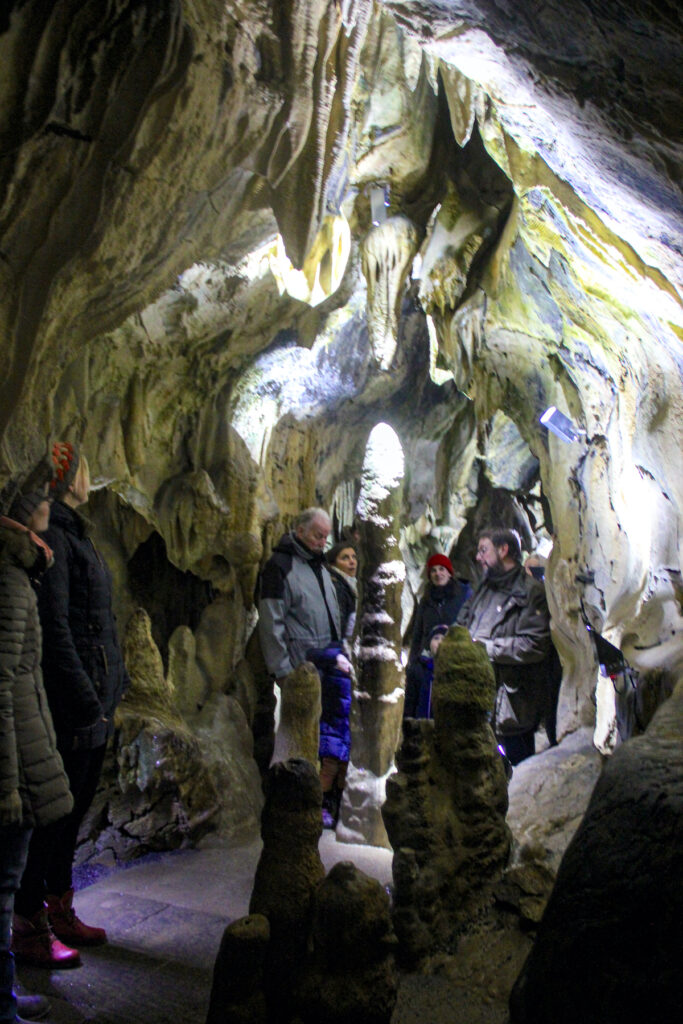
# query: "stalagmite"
[445,809]
[299,730]
[350,975]
[288,872]
[378,699]
[238,990]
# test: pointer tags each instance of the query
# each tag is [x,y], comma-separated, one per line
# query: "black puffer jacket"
[83,668]
[439,606]
[29,761]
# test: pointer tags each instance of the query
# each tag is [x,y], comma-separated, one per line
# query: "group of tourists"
[508,614]
[61,678]
[58,694]
[306,609]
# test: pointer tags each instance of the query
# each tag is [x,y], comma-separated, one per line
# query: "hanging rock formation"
[445,808]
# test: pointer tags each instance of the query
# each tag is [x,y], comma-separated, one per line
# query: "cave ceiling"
[191,283]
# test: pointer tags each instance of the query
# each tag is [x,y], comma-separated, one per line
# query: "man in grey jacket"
[298,607]
[508,613]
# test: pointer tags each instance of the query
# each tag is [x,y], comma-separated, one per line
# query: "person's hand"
[11,809]
[343,664]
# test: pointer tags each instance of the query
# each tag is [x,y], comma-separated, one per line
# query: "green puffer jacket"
[29,760]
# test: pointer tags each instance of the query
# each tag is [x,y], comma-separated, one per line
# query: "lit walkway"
[165,917]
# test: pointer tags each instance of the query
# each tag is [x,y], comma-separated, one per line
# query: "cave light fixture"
[560,425]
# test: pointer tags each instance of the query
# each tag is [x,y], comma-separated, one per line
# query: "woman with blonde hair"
[34,789]
[85,679]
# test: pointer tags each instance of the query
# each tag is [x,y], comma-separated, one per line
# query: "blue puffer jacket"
[335,730]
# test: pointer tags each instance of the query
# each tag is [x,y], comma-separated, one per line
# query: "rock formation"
[312,948]
[185,215]
[238,991]
[607,944]
[350,974]
[445,809]
[298,735]
[378,697]
[287,874]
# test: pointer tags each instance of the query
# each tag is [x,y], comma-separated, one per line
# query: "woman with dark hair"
[85,679]
[34,789]
[443,598]
[342,562]
[335,686]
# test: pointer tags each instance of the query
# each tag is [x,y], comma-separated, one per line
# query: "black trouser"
[52,847]
[519,746]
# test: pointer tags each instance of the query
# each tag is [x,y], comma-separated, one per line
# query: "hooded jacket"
[83,667]
[298,607]
[509,615]
[29,760]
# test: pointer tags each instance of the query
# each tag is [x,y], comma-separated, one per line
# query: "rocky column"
[351,973]
[298,734]
[445,809]
[378,699]
[287,874]
[238,988]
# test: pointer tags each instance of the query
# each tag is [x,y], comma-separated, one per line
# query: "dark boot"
[330,809]
[34,943]
[33,1007]
[67,926]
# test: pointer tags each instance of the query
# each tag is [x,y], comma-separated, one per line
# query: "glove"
[11,810]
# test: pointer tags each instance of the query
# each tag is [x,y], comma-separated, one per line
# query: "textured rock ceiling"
[166,168]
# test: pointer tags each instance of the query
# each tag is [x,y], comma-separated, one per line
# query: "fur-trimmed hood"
[20,546]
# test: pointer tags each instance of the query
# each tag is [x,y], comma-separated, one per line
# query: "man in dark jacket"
[508,613]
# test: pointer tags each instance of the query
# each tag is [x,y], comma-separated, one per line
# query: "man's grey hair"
[306,517]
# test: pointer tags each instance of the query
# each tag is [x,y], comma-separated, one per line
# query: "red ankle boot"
[34,943]
[67,926]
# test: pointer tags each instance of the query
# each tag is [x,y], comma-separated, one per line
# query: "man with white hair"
[298,607]
[508,613]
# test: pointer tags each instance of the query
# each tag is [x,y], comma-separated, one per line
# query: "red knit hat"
[443,560]
[66,458]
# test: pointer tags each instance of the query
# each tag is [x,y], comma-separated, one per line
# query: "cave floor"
[165,916]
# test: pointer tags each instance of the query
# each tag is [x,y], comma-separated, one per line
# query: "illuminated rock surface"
[185,214]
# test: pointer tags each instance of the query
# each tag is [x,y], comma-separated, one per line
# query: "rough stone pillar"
[298,734]
[288,872]
[445,808]
[351,973]
[608,947]
[238,988]
[378,699]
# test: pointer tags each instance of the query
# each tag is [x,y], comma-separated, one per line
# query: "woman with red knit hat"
[85,678]
[443,598]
